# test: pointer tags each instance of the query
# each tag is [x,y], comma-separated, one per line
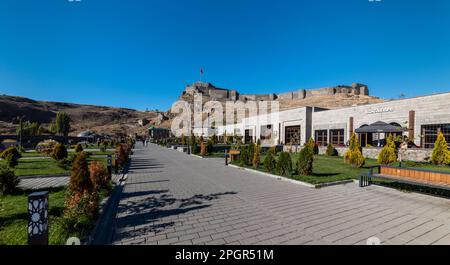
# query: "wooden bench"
[233,154]
[412,176]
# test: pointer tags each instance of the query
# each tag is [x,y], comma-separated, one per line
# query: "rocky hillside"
[99,119]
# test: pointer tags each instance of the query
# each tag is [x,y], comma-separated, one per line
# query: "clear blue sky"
[141,54]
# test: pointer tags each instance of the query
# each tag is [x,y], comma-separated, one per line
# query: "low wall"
[411,154]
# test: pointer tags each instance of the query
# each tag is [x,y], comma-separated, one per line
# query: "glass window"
[337,137]
[292,134]
[430,133]
[321,137]
[266,132]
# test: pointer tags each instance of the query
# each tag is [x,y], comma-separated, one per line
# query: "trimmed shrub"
[441,154]
[10,151]
[193,143]
[244,156]
[354,155]
[79,178]
[284,164]
[11,156]
[305,161]
[78,148]
[122,152]
[98,175]
[257,156]
[209,146]
[12,161]
[202,148]
[330,150]
[388,154]
[59,152]
[8,180]
[46,147]
[269,162]
[251,153]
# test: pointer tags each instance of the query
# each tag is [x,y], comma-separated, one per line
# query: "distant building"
[158,133]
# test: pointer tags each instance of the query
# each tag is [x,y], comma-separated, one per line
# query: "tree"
[257,156]
[62,123]
[441,154]
[388,154]
[284,164]
[305,161]
[29,129]
[59,152]
[354,155]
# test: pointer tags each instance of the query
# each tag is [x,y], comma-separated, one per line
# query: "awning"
[380,127]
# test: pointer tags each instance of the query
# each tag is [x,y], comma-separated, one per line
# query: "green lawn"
[14,216]
[37,154]
[39,166]
[330,169]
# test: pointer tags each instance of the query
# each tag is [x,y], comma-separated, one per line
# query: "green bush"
[284,164]
[354,155]
[79,178]
[388,154]
[78,148]
[251,153]
[11,151]
[257,156]
[305,161]
[12,161]
[243,159]
[331,151]
[441,154]
[209,146]
[269,162]
[11,156]
[59,152]
[8,180]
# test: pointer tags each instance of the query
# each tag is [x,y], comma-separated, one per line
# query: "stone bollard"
[38,218]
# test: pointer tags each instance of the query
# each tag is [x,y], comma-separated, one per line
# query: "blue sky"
[141,54]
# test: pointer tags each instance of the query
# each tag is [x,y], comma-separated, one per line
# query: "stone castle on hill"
[221,94]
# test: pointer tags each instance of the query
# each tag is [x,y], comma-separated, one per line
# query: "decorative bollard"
[38,218]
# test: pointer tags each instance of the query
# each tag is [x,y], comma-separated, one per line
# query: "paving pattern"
[173,198]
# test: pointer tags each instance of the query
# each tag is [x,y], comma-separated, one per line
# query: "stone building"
[215,93]
[420,119]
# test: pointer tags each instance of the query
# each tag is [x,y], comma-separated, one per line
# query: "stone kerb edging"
[298,182]
[275,176]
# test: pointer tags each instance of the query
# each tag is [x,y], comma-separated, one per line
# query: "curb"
[298,182]
[275,176]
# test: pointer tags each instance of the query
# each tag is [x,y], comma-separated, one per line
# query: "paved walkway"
[173,198]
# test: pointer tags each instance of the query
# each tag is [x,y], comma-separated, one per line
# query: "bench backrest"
[416,174]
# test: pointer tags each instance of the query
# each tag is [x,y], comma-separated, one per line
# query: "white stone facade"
[425,110]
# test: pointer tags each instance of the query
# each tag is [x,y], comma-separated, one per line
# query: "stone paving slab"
[174,198]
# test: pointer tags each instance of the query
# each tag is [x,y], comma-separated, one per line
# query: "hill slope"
[99,119]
